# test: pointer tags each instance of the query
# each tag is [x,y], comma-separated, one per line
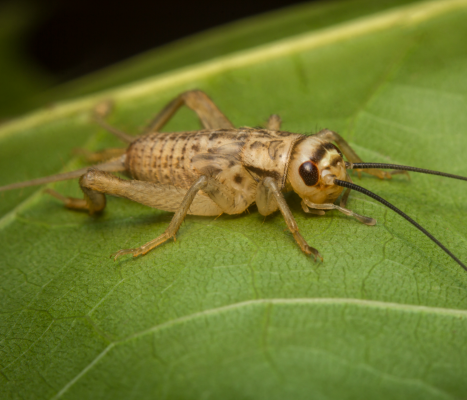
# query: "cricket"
[222,169]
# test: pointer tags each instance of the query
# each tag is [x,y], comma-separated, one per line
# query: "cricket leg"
[99,156]
[217,198]
[274,122]
[93,201]
[328,206]
[269,198]
[155,195]
[174,225]
[351,155]
[99,114]
[210,116]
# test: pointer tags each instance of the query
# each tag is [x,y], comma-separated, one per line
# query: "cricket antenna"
[360,189]
[349,165]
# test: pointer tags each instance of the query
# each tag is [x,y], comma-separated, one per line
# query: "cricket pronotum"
[221,169]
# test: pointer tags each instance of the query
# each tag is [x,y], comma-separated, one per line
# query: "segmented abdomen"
[166,157]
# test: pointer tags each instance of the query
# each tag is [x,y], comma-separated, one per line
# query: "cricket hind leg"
[351,155]
[93,201]
[96,184]
[268,199]
[155,195]
[208,113]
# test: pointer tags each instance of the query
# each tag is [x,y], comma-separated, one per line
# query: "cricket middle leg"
[174,225]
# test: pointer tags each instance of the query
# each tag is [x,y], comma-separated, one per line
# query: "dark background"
[75,37]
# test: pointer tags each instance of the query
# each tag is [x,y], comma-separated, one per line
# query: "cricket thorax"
[266,153]
[314,164]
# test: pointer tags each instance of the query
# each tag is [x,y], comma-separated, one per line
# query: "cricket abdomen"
[166,157]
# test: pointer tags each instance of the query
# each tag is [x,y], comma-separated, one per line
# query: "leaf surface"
[233,309]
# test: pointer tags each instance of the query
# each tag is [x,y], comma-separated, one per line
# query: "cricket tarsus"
[402,168]
[360,189]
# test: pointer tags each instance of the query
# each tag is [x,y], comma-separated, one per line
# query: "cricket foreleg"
[328,206]
[210,116]
[269,185]
[351,155]
[174,225]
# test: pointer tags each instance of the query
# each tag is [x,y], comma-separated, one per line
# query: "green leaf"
[233,309]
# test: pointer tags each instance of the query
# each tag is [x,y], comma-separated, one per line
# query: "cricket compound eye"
[309,173]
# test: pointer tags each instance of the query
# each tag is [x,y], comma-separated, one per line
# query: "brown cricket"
[221,169]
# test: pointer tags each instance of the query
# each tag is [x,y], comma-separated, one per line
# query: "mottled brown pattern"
[256,145]
[238,178]
[264,160]
[318,154]
[262,173]
[167,157]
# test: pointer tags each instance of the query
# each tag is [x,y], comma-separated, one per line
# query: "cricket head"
[314,165]
[317,173]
